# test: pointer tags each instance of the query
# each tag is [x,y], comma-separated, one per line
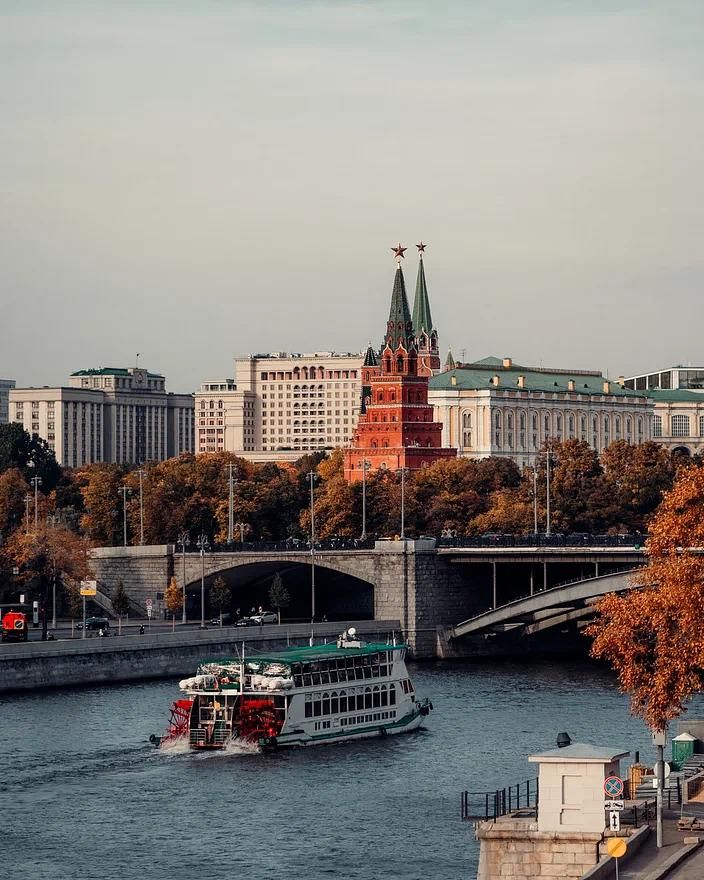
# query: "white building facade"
[280,406]
[5,386]
[678,397]
[116,415]
[496,407]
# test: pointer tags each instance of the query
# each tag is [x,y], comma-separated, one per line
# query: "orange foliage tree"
[653,636]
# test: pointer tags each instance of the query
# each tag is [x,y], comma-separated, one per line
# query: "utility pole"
[241,526]
[141,474]
[202,544]
[231,513]
[547,490]
[402,471]
[184,541]
[27,502]
[535,500]
[36,482]
[125,491]
[311,477]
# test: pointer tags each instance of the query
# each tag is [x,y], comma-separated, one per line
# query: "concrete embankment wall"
[82,662]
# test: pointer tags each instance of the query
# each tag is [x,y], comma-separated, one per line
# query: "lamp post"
[402,471]
[52,520]
[242,526]
[125,491]
[547,492]
[202,544]
[184,541]
[141,474]
[365,467]
[230,510]
[535,500]
[27,502]
[36,482]
[311,477]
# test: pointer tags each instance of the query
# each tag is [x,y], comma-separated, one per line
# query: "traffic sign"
[614,820]
[659,737]
[149,602]
[613,786]
[149,612]
[88,588]
[616,847]
[613,805]
[666,768]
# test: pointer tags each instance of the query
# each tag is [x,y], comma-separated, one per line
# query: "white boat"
[345,690]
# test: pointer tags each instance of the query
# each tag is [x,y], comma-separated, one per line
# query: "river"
[84,795]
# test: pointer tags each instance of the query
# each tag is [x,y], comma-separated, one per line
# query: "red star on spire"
[399,251]
[421,247]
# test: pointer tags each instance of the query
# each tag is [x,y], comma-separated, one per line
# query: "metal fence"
[487,805]
[543,540]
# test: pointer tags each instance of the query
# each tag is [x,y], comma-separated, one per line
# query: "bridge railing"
[543,540]
[290,545]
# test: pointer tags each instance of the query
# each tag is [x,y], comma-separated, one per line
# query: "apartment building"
[5,386]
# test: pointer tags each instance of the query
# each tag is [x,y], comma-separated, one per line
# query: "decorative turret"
[449,362]
[399,328]
[425,334]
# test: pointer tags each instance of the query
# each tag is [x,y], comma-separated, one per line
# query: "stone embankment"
[85,662]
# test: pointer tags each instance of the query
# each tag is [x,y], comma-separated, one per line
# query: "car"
[226,620]
[93,624]
[246,621]
[265,617]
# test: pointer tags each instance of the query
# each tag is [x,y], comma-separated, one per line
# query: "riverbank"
[80,662]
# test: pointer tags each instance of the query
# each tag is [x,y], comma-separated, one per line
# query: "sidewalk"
[650,861]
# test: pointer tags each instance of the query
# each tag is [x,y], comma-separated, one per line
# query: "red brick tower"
[396,427]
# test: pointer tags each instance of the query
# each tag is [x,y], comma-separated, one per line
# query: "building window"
[701,426]
[680,426]
[657,426]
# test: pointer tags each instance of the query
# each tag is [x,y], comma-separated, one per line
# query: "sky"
[198,180]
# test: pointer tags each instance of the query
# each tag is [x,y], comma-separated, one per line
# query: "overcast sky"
[194,180]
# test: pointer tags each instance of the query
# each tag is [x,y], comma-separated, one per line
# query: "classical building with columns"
[497,407]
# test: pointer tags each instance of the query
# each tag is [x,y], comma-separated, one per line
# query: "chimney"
[495,381]
[453,380]
[521,381]
[507,363]
[570,384]
[606,386]
[621,381]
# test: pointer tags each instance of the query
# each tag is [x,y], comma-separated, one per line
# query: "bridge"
[428,585]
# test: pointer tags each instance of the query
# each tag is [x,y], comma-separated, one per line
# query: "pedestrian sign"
[613,786]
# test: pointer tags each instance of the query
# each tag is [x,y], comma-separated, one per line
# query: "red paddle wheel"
[258,719]
[179,721]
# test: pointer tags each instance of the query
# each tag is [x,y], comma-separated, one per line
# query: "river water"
[84,795]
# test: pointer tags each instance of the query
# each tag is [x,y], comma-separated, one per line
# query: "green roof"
[316,652]
[112,371]
[400,326]
[673,394]
[422,320]
[478,379]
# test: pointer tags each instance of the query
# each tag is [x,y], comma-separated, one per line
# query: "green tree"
[637,476]
[121,601]
[279,596]
[220,595]
[29,454]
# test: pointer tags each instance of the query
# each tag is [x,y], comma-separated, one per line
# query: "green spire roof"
[422,320]
[450,362]
[400,326]
[370,357]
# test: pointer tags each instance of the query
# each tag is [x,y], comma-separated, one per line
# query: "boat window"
[392,694]
[324,676]
[326,703]
[333,675]
[343,701]
[309,706]
[317,706]
[308,679]
[384,696]
[334,703]
[316,678]
[376,698]
[367,698]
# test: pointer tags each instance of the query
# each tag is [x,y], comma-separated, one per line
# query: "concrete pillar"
[493,591]
[532,584]
[596,569]
[545,575]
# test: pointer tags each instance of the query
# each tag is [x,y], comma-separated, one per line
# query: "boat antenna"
[310,641]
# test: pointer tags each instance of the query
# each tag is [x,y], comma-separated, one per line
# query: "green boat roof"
[303,654]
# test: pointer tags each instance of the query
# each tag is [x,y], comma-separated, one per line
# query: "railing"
[543,540]
[290,545]
[487,805]
[693,786]
[196,737]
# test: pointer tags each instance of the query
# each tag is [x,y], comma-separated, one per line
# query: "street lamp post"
[311,477]
[402,471]
[535,500]
[27,502]
[230,510]
[36,482]
[141,474]
[52,520]
[125,491]
[202,544]
[365,467]
[547,492]
[184,541]
[242,526]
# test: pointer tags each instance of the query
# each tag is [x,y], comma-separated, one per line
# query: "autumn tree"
[173,597]
[637,477]
[102,520]
[121,601]
[46,557]
[13,489]
[580,496]
[220,595]
[279,596]
[653,636]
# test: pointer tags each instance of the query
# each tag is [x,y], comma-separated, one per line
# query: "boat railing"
[475,805]
[196,737]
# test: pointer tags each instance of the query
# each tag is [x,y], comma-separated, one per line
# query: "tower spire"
[399,328]
[422,320]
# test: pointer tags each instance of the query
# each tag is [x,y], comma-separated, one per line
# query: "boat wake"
[179,746]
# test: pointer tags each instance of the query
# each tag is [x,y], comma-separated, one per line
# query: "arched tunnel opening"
[338,596]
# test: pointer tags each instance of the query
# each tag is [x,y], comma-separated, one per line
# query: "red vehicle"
[14,626]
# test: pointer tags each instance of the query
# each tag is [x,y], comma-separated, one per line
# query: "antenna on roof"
[136,362]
